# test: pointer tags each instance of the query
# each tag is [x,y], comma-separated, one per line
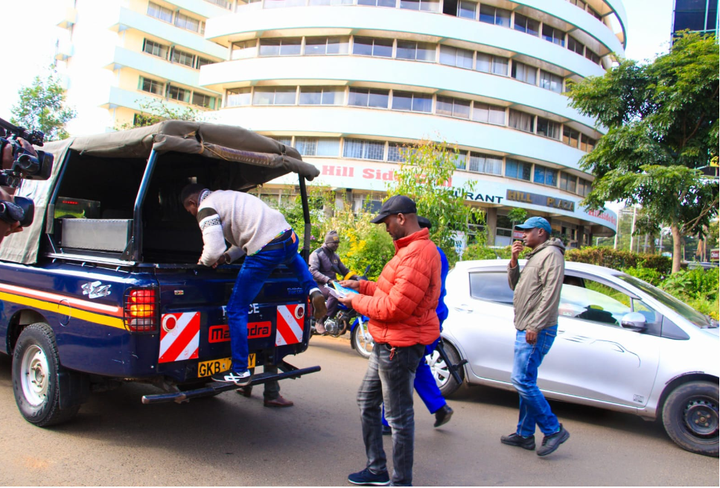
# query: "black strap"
[329,255]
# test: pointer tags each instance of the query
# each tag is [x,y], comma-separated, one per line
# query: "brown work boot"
[318,303]
[279,402]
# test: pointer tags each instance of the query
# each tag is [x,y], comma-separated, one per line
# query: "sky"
[30,27]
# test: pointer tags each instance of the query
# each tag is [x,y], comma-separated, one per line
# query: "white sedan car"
[622,344]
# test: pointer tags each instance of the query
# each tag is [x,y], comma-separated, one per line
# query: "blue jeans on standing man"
[252,276]
[389,381]
[534,408]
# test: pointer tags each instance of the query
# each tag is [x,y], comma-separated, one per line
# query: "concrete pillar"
[491,224]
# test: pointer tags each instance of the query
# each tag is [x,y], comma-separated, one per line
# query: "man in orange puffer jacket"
[401,307]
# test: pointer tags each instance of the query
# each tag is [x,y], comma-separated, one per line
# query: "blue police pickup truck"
[104,288]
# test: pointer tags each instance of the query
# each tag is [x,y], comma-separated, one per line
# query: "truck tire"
[690,417]
[35,372]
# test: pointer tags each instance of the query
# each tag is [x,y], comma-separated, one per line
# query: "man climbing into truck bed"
[266,239]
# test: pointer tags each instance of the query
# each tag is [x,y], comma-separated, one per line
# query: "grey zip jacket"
[537,287]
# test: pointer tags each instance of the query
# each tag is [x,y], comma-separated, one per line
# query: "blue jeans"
[250,280]
[534,409]
[390,382]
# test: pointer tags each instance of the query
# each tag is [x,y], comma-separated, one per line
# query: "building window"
[521,121]
[492,64]
[226,4]
[367,46]
[361,149]
[592,56]
[202,62]
[413,102]
[238,97]
[320,46]
[571,137]
[545,176]
[594,13]
[576,46]
[395,153]
[418,51]
[154,48]
[493,15]
[282,140]
[551,82]
[274,96]
[313,146]
[177,93]
[548,128]
[556,36]
[204,100]
[527,25]
[375,3]
[483,163]
[524,73]
[244,49]
[460,160]
[426,5]
[467,10]
[518,169]
[587,144]
[159,12]
[583,187]
[280,47]
[152,86]
[452,56]
[578,3]
[310,95]
[182,57]
[363,97]
[488,114]
[568,182]
[190,24]
[453,107]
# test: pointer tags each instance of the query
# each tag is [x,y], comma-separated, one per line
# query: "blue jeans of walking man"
[389,380]
[250,280]
[534,408]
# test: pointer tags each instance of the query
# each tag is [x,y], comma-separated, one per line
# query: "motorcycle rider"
[325,265]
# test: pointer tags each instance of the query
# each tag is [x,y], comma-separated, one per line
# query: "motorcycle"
[346,319]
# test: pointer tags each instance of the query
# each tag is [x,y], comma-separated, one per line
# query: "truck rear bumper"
[211,389]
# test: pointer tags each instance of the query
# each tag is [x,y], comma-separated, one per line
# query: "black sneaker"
[551,442]
[318,303]
[367,477]
[517,440]
[240,379]
[443,415]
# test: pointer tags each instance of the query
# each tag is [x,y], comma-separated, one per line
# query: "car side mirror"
[634,321]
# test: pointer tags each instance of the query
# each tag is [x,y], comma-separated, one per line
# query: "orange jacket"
[401,304]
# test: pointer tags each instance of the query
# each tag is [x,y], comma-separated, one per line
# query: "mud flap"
[213,388]
[74,389]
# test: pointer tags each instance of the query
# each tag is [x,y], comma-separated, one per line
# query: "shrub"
[478,251]
[610,258]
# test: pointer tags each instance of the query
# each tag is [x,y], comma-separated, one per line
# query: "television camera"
[26,164]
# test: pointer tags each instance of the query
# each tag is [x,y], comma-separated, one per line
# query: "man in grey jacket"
[325,265]
[536,300]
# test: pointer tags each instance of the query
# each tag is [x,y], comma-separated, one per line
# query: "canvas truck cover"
[260,159]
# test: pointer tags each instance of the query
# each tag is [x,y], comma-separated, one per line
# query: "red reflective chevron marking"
[179,337]
[289,326]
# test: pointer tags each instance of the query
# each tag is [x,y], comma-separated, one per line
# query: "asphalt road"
[232,440]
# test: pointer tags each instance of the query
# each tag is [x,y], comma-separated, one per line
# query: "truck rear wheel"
[35,372]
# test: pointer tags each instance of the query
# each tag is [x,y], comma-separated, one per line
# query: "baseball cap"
[424,223]
[535,223]
[395,205]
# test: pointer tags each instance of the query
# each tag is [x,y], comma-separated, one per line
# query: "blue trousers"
[534,408]
[252,276]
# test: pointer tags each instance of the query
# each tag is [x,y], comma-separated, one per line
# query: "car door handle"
[464,308]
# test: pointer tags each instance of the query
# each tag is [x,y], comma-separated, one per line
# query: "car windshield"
[692,315]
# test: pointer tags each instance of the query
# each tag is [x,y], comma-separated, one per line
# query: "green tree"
[42,107]
[426,177]
[156,110]
[662,121]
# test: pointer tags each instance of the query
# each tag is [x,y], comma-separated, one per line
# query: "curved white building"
[348,82]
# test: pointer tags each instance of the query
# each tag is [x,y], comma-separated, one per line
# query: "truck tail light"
[141,310]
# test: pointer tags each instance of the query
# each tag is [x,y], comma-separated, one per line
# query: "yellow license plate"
[208,368]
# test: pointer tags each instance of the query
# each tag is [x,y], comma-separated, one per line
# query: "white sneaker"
[240,379]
